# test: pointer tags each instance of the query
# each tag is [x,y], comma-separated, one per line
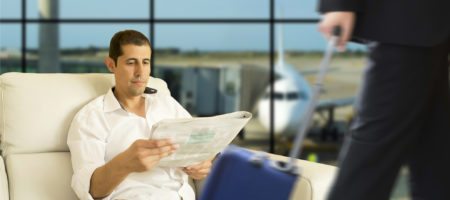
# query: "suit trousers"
[402,118]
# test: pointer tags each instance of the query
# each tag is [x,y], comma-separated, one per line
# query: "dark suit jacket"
[407,22]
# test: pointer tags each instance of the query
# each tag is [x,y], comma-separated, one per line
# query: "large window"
[216,56]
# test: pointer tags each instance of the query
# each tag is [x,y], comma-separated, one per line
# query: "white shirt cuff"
[81,182]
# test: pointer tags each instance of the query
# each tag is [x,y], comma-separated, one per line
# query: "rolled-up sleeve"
[87,142]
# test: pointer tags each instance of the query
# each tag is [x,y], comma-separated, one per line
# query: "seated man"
[112,155]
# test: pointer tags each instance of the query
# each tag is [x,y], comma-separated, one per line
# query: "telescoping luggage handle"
[291,166]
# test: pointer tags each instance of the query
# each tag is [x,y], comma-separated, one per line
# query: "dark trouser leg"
[429,160]
[391,114]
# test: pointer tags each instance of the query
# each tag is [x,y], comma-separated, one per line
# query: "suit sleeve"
[340,5]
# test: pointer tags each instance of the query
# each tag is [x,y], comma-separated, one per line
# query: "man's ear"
[110,64]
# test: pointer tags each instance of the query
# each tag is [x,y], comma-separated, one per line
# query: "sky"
[203,37]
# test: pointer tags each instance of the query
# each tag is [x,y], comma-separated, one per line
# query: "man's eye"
[130,63]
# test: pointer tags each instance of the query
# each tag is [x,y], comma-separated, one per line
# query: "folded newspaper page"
[199,138]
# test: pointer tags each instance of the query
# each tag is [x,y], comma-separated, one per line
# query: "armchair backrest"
[35,114]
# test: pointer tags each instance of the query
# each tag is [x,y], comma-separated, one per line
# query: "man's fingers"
[325,29]
[162,150]
[157,143]
[347,29]
[162,143]
[154,144]
[142,143]
[343,19]
[145,154]
[341,42]
[197,174]
[158,151]
[204,171]
[202,167]
[204,164]
[201,171]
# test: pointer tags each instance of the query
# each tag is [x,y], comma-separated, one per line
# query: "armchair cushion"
[40,176]
[4,194]
[37,110]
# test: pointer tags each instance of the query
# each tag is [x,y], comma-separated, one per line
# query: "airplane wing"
[334,103]
[328,106]
[313,71]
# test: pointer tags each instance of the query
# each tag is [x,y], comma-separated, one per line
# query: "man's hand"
[345,20]
[143,155]
[199,171]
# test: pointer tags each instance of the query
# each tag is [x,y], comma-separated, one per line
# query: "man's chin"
[137,91]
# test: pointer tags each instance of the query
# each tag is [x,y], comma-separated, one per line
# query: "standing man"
[402,111]
[112,155]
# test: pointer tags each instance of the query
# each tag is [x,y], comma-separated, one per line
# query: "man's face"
[132,69]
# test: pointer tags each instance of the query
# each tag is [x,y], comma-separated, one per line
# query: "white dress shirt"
[102,129]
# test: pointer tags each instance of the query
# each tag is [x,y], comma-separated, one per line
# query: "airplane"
[291,95]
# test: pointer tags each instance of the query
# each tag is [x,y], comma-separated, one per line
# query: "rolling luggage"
[239,174]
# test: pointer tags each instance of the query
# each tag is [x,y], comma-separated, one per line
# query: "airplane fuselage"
[291,95]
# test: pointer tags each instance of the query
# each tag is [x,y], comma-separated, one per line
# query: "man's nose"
[139,69]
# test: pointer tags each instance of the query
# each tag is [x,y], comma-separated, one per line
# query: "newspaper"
[199,138]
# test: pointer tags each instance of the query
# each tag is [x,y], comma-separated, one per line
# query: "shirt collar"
[112,104]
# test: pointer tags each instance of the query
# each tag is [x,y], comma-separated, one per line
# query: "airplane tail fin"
[280,59]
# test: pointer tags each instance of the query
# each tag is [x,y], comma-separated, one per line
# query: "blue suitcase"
[239,174]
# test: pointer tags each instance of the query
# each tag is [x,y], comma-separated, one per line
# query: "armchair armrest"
[314,182]
[315,175]
[4,192]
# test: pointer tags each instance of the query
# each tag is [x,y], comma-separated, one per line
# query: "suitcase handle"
[323,68]
[286,167]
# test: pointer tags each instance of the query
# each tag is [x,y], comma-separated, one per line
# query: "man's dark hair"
[123,38]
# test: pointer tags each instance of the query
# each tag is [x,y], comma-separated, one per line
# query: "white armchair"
[35,113]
